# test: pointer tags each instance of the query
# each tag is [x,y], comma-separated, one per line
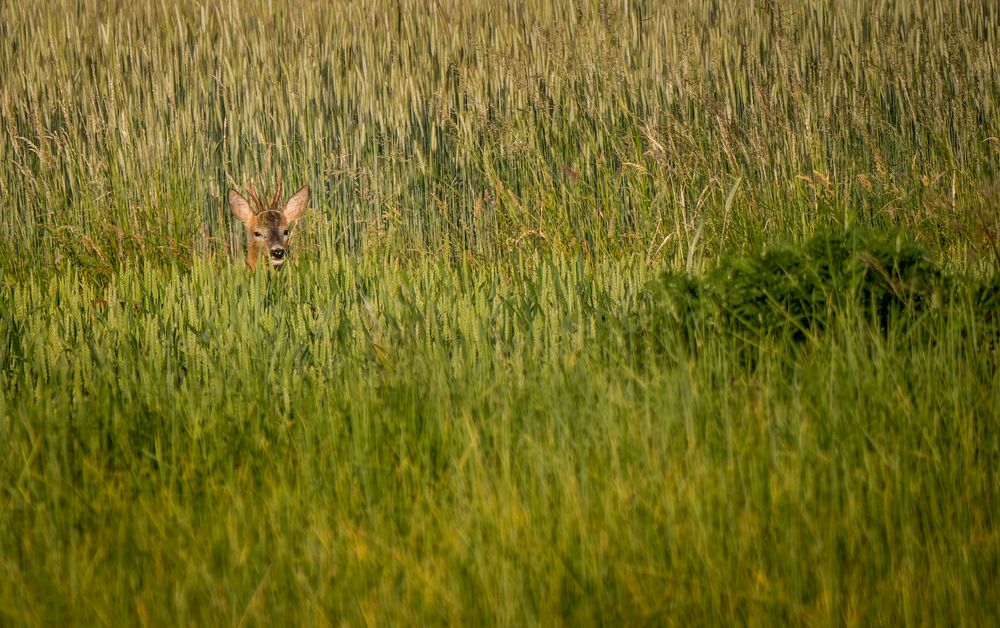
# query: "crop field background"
[627,313]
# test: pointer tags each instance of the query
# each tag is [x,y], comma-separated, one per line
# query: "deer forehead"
[269,220]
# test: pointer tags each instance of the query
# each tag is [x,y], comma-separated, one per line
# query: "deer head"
[269,224]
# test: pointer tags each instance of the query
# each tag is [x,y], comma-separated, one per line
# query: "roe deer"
[268,225]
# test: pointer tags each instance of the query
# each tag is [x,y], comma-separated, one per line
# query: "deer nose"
[278,253]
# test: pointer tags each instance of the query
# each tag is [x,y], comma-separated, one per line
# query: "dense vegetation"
[603,312]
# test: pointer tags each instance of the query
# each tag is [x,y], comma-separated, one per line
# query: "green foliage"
[484,392]
[794,292]
[472,444]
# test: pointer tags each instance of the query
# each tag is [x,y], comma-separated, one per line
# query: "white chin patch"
[277,263]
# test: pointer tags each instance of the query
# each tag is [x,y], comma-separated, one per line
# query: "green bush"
[794,291]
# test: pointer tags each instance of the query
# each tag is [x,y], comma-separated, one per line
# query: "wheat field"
[564,336]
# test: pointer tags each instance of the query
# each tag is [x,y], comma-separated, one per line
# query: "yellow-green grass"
[469,128]
[438,445]
[448,408]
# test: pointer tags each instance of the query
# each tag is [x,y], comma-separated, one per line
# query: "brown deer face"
[269,225]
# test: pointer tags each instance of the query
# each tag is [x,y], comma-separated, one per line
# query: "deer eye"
[286,231]
[257,233]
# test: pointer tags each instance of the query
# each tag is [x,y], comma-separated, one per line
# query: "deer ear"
[296,205]
[239,206]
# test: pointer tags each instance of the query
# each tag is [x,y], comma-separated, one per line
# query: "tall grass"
[359,444]
[508,376]
[470,128]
